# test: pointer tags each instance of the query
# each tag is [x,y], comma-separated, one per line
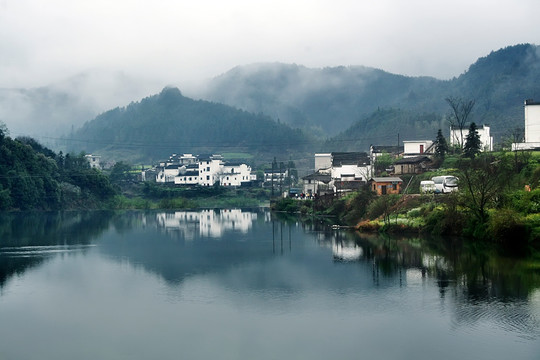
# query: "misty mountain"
[329,100]
[169,122]
[386,127]
[54,109]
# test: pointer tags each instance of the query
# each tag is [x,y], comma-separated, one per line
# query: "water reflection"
[28,239]
[206,223]
[255,255]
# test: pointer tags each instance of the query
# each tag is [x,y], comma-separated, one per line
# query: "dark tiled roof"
[412,160]
[325,178]
[349,158]
[391,149]
[386,179]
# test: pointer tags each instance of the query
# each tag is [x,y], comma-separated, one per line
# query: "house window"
[421,149]
[207,177]
[208,168]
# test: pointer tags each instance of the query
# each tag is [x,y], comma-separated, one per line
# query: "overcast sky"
[177,41]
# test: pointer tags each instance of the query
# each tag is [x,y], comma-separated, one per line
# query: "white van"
[445,184]
[427,187]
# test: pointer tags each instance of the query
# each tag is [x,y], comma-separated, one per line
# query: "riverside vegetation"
[498,198]
[498,201]
[33,177]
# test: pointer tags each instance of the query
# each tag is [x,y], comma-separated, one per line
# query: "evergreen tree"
[441,146]
[472,142]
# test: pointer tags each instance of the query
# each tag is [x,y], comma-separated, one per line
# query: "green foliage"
[508,227]
[482,181]
[177,203]
[383,162]
[472,142]
[525,202]
[288,205]
[34,177]
[170,123]
[441,146]
[382,207]
[121,173]
[357,206]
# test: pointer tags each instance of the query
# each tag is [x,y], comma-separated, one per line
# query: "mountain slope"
[330,100]
[171,123]
[325,100]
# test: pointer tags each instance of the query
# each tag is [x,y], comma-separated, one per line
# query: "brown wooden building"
[386,185]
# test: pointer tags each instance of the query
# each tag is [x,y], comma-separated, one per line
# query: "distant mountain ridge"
[330,100]
[169,122]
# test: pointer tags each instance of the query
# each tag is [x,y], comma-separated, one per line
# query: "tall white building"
[532,127]
[532,121]
[486,140]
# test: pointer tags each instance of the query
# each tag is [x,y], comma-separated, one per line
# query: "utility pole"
[280,179]
[272,179]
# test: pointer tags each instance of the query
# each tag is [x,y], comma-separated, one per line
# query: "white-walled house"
[167,173]
[337,172]
[486,140]
[209,169]
[532,127]
[413,148]
[94,161]
[277,174]
[189,177]
[234,174]
[323,161]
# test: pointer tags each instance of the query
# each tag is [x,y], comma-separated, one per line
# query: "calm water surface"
[233,284]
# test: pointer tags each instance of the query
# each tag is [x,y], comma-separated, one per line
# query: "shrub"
[508,228]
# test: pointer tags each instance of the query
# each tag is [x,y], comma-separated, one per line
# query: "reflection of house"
[386,185]
[532,127]
[486,140]
[206,223]
[347,170]
[412,165]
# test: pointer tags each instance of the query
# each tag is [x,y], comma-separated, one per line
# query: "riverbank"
[515,229]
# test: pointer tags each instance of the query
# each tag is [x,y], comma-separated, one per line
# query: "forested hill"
[34,177]
[386,127]
[330,100]
[169,122]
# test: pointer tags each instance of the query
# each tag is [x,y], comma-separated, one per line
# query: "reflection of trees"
[480,284]
[27,231]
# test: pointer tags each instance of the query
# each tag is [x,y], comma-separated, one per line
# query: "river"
[239,284]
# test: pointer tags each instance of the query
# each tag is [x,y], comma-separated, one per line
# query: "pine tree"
[472,142]
[441,146]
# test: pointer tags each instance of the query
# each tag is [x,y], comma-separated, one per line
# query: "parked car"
[427,187]
[445,184]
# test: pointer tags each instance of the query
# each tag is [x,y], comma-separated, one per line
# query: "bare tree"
[461,109]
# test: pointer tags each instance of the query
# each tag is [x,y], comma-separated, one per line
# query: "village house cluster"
[204,170]
[342,172]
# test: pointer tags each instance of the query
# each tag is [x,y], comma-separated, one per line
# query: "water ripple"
[30,251]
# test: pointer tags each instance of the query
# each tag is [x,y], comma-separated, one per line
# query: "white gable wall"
[532,122]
